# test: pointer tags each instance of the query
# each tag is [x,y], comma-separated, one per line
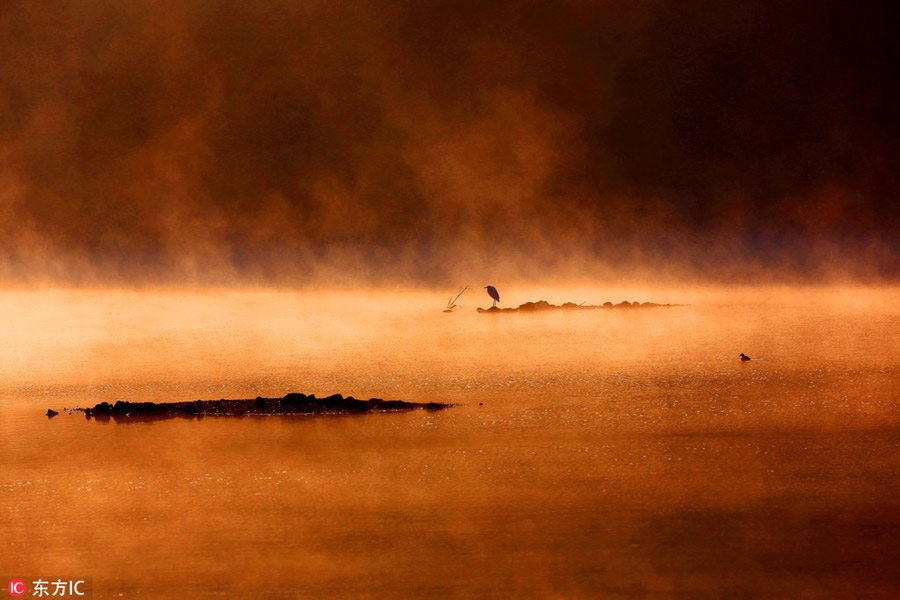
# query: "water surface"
[610,454]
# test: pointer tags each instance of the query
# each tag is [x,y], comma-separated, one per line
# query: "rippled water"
[611,454]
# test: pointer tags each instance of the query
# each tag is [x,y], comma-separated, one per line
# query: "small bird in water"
[744,356]
[492,292]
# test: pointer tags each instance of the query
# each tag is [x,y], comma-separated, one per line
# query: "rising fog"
[296,142]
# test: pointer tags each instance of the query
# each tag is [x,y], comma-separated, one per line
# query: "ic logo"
[16,588]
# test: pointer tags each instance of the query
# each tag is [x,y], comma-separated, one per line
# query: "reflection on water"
[623,454]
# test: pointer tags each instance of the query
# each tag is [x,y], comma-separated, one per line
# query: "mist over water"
[615,453]
[223,143]
[202,344]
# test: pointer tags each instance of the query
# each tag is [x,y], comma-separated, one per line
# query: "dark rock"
[393,405]
[296,400]
[539,305]
[289,404]
[143,408]
[542,305]
[101,409]
[358,405]
[349,403]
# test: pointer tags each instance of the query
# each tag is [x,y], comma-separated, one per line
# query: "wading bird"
[492,292]
[744,356]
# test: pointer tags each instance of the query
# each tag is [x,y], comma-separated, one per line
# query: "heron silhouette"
[492,292]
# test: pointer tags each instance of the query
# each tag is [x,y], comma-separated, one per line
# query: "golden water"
[610,454]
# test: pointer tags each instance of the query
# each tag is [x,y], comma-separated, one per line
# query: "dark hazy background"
[281,142]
